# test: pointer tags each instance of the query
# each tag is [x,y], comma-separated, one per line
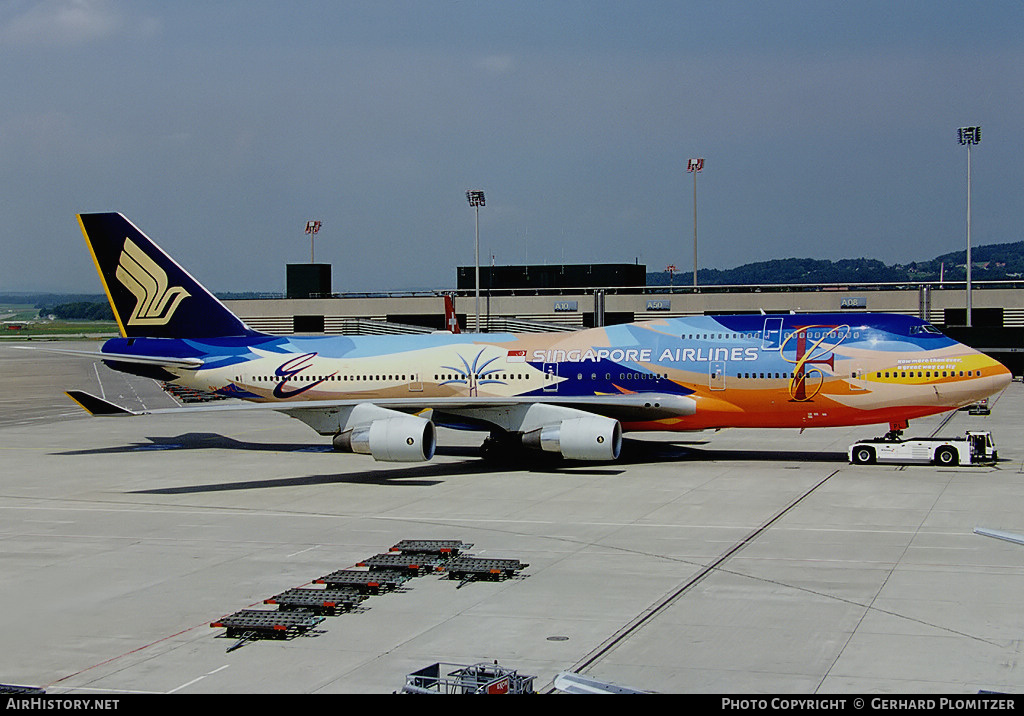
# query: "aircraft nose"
[1001,377]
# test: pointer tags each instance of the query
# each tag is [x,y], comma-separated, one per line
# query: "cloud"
[498,64]
[64,23]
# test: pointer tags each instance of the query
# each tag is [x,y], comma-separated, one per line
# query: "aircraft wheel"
[863,456]
[946,456]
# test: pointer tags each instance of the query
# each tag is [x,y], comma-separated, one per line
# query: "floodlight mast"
[475,198]
[312,228]
[969,136]
[694,166]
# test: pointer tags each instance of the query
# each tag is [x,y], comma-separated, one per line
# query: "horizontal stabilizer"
[998,534]
[166,361]
[96,406]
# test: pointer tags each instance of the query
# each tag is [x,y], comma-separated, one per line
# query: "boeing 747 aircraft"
[567,393]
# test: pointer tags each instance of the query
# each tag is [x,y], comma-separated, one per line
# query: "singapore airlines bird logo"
[155,302]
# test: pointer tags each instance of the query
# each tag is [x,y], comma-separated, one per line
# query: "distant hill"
[45,299]
[993,262]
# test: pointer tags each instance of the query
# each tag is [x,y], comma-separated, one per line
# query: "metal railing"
[672,290]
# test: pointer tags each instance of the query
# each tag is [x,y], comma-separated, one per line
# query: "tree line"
[79,311]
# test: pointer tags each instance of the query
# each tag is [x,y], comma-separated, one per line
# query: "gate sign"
[659,304]
[853,302]
[566,306]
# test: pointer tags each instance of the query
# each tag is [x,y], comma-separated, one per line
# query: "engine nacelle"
[590,438]
[400,439]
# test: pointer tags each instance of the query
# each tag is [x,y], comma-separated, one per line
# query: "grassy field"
[22,322]
[17,312]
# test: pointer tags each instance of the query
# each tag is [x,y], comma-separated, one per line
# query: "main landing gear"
[500,446]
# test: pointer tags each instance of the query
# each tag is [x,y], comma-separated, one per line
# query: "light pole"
[969,136]
[312,227]
[476,200]
[694,166]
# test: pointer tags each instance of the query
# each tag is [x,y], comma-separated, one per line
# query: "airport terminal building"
[570,297]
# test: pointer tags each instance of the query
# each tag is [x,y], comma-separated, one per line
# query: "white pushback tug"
[976,447]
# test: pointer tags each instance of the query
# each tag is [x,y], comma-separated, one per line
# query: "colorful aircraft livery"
[568,393]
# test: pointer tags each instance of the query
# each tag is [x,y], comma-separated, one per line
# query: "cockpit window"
[926,328]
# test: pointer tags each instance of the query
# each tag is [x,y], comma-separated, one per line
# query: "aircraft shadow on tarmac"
[201,441]
[767,456]
[634,452]
[424,475]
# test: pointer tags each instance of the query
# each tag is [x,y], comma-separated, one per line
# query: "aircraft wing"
[646,406]
[400,429]
[166,361]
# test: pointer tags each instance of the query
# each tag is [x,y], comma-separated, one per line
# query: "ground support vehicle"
[976,447]
[980,408]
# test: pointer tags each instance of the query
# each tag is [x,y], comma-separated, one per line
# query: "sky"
[828,130]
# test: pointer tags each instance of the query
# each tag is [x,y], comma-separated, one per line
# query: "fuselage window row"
[927,374]
[813,335]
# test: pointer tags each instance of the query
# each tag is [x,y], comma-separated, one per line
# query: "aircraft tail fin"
[150,293]
[451,321]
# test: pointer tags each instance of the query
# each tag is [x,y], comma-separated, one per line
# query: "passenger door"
[716,375]
[771,339]
[550,377]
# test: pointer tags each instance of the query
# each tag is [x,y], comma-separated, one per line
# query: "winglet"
[96,406]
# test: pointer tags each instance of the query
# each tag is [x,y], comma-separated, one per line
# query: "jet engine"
[588,438]
[406,438]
